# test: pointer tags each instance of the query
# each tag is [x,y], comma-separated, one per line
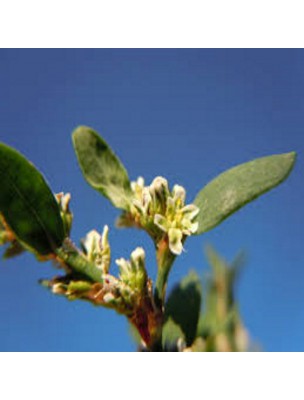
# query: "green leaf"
[183,305]
[101,168]
[27,203]
[171,334]
[237,186]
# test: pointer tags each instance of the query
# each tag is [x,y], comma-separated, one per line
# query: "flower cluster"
[122,293]
[161,212]
[97,249]
[133,272]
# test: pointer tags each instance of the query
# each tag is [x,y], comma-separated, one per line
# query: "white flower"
[179,193]
[63,201]
[178,219]
[159,191]
[175,240]
[138,257]
[155,208]
[138,185]
[141,197]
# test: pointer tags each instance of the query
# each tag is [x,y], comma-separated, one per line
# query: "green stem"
[72,257]
[165,261]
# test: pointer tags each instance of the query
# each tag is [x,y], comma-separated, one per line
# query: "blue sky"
[187,115]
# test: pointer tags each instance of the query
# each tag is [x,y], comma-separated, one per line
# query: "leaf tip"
[290,159]
[80,130]
[292,156]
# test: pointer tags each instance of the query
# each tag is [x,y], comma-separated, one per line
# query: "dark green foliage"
[183,306]
[27,203]
[172,336]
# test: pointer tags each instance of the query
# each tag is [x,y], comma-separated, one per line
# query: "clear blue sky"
[184,114]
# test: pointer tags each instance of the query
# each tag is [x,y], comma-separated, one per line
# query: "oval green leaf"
[237,186]
[101,167]
[27,203]
[184,304]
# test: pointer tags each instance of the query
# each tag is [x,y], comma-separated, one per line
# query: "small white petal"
[190,211]
[186,232]
[194,227]
[140,181]
[179,192]
[138,254]
[57,288]
[189,227]
[108,297]
[138,184]
[104,236]
[137,187]
[146,199]
[161,222]
[159,184]
[63,201]
[123,265]
[175,241]
[92,243]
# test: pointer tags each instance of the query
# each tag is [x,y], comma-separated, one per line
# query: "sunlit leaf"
[237,186]
[101,167]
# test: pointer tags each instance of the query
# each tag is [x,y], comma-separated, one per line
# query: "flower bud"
[124,268]
[179,194]
[108,298]
[159,192]
[133,272]
[138,259]
[63,201]
[97,249]
[138,185]
[105,251]
[142,205]
[59,288]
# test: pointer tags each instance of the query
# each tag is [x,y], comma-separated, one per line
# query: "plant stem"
[165,260]
[71,256]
